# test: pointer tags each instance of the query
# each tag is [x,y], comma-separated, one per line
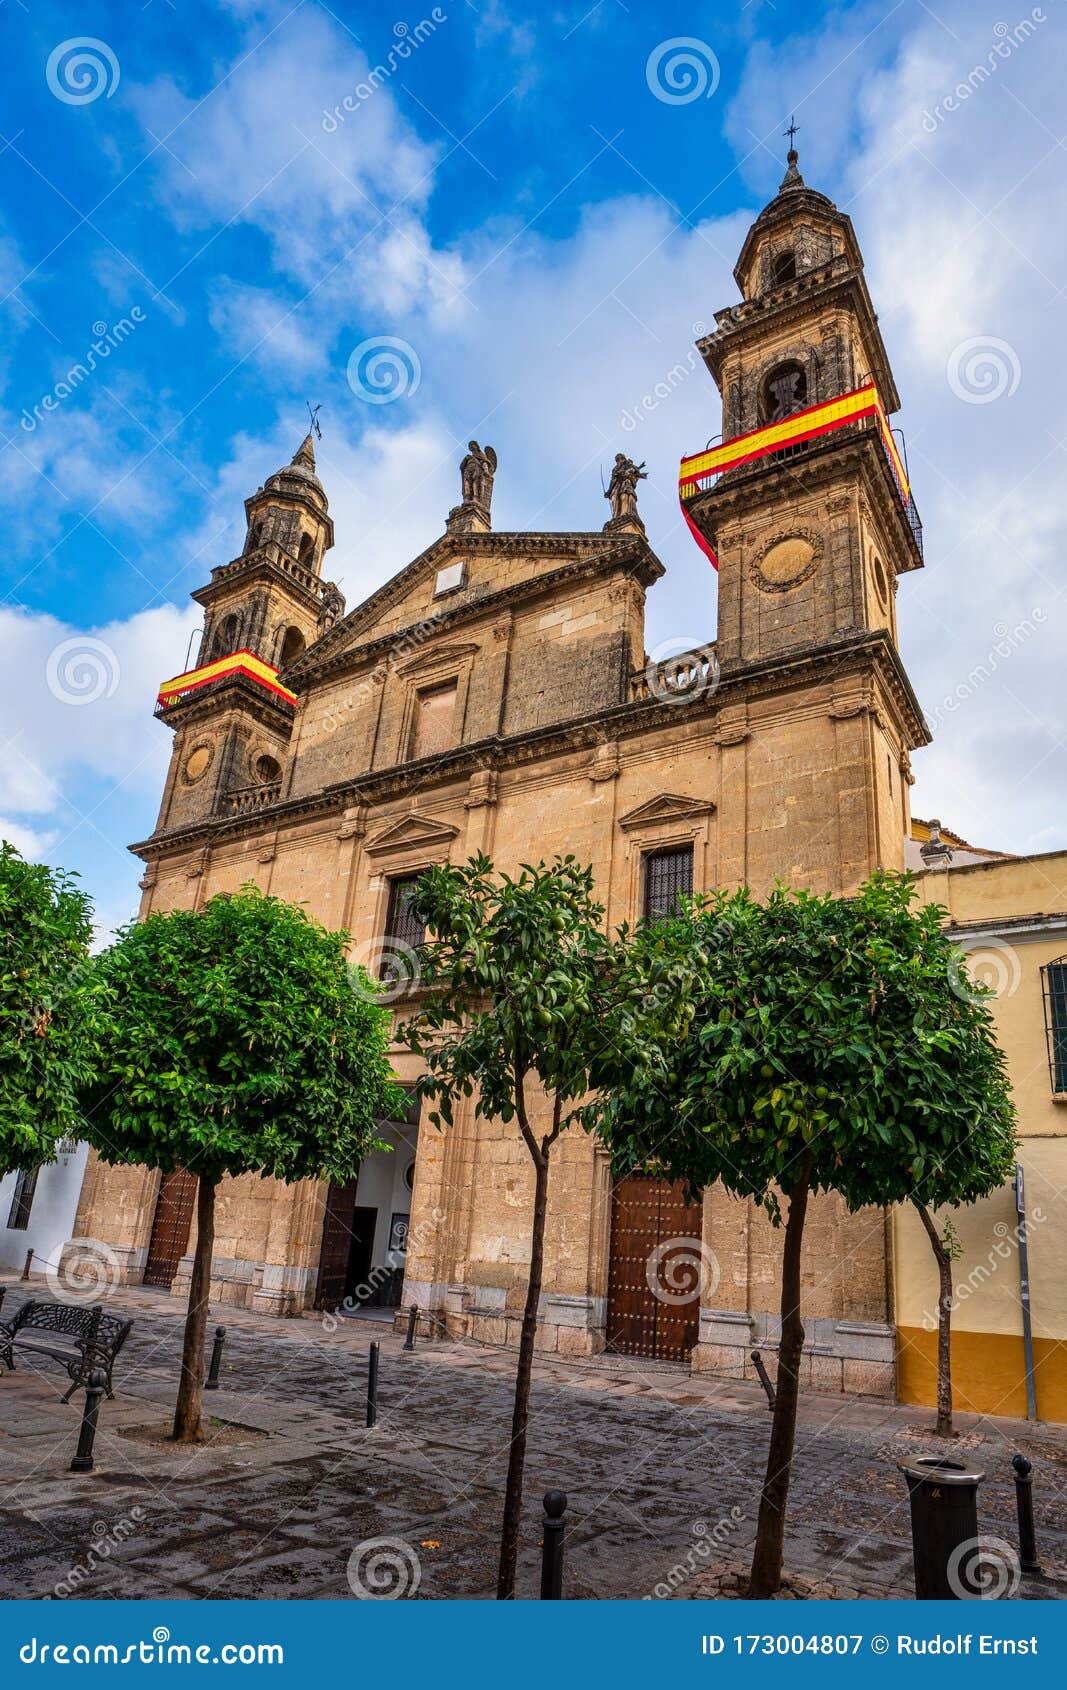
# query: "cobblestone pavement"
[662,1471]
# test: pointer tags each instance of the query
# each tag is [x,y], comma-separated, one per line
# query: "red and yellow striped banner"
[235,663]
[697,470]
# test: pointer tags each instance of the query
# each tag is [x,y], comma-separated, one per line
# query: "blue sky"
[519,204]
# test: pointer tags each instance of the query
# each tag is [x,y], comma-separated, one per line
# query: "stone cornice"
[748,322]
[739,683]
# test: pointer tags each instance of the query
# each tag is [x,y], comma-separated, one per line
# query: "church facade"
[496,696]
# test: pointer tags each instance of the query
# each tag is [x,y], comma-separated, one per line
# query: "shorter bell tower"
[233,713]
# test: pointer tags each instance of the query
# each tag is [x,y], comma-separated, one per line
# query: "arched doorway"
[656,1271]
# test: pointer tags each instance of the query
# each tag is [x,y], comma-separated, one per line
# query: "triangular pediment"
[668,807]
[412,832]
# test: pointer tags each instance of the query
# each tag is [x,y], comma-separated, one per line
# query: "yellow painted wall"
[987,1350]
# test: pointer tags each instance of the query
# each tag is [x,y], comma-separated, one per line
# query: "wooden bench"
[94,1339]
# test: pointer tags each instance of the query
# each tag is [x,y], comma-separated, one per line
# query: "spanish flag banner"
[235,663]
[699,470]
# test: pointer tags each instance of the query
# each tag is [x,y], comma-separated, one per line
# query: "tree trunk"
[509,1537]
[187,1427]
[766,1573]
[943,1428]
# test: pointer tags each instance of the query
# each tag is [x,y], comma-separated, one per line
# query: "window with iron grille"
[402,923]
[1054,985]
[22,1201]
[668,877]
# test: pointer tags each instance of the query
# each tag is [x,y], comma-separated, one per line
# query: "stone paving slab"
[658,1464]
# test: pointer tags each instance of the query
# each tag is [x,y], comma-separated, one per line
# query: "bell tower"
[233,713]
[805,505]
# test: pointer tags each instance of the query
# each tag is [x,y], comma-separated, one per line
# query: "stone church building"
[496,696]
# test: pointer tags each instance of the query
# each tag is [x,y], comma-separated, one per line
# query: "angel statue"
[476,474]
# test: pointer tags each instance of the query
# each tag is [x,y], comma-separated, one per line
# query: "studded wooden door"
[656,1270]
[170,1228]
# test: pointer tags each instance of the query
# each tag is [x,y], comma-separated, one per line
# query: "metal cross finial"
[314,416]
[792,132]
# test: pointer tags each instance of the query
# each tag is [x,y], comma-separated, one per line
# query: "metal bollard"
[372,1387]
[944,1527]
[1024,1508]
[211,1383]
[94,1392]
[764,1378]
[413,1318]
[552,1546]
[29,1264]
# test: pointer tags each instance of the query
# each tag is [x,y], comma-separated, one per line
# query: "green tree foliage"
[47,1009]
[519,977]
[237,1040]
[805,1043]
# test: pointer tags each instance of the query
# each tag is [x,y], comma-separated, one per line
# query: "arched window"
[783,268]
[255,534]
[268,769]
[306,554]
[784,391]
[292,645]
[227,638]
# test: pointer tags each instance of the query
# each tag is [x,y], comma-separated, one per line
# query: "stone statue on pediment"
[622,492]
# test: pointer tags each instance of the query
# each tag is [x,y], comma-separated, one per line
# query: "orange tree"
[519,978]
[236,1039]
[47,1007]
[807,1043]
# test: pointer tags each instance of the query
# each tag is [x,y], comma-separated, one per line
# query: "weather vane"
[792,132]
[314,416]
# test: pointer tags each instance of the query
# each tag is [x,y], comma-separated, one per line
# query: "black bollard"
[94,1391]
[211,1383]
[413,1318]
[372,1387]
[29,1264]
[764,1378]
[944,1527]
[1024,1508]
[552,1546]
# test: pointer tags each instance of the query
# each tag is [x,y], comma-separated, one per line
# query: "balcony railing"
[792,438]
[678,680]
[245,799]
[271,552]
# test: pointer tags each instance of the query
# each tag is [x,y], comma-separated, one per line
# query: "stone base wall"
[839,1355]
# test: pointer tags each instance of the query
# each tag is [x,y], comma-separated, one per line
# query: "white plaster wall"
[51,1224]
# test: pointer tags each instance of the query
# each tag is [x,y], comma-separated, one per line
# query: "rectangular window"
[22,1201]
[1054,978]
[668,877]
[402,924]
[435,711]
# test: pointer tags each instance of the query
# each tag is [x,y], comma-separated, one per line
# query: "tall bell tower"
[804,506]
